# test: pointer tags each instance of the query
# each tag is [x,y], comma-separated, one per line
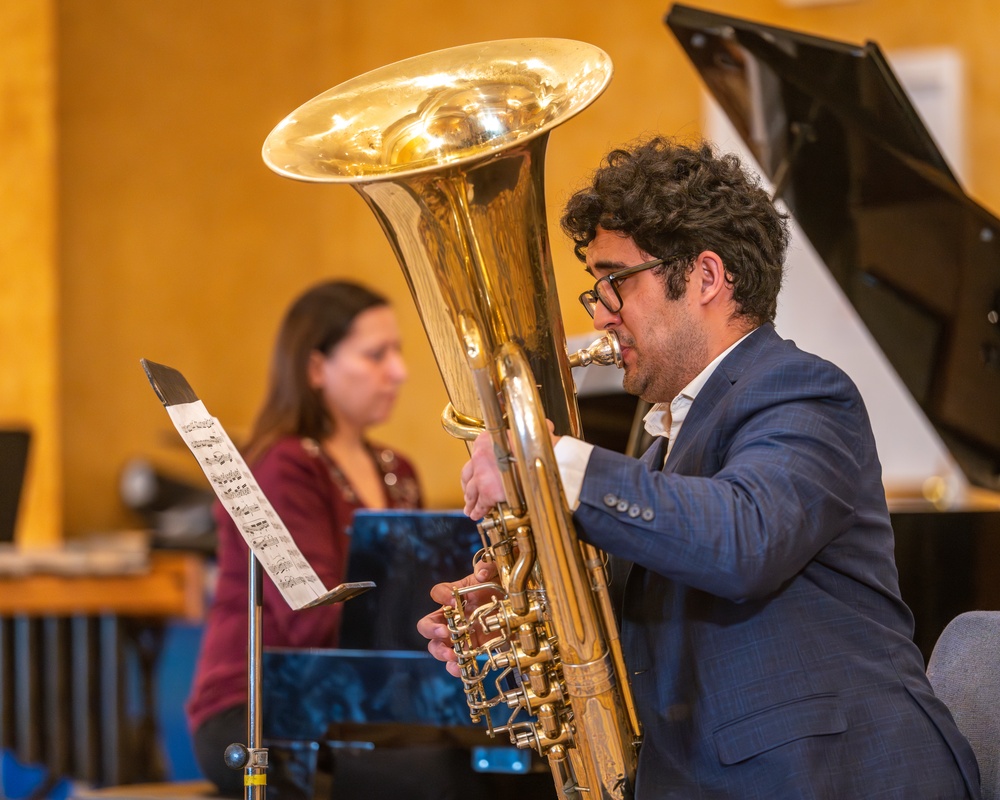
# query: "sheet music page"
[252,512]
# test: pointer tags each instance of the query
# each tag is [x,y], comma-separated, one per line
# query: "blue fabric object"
[174,673]
[18,781]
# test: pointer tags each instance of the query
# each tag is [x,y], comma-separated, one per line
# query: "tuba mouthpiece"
[604,351]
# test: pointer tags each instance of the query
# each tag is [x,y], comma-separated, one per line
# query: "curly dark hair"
[676,201]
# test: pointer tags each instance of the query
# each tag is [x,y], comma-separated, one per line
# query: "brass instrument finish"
[447,149]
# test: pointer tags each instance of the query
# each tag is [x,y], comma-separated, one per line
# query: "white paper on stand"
[237,490]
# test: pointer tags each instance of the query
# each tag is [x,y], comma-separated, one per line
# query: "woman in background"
[336,371]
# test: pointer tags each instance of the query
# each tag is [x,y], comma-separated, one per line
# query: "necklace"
[401,491]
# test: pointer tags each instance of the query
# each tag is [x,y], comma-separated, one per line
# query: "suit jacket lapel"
[657,451]
[721,381]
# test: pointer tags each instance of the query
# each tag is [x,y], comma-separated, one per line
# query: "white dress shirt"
[663,419]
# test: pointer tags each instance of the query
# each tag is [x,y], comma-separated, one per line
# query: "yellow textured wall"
[29,356]
[175,243]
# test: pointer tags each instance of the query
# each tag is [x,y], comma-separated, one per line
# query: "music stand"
[181,402]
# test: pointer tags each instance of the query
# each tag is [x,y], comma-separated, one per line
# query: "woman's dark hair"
[318,320]
[675,202]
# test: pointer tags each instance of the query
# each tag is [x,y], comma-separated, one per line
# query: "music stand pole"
[255,776]
[252,757]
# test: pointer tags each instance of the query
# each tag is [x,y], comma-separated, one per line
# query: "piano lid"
[847,153]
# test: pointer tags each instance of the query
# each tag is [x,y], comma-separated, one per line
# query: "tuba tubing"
[447,149]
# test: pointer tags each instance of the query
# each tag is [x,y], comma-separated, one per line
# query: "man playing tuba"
[769,650]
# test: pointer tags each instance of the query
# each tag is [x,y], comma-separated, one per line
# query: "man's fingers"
[484,571]
[471,497]
[441,651]
[441,593]
[433,626]
[466,474]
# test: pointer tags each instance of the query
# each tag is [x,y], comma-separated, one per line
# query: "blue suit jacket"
[770,651]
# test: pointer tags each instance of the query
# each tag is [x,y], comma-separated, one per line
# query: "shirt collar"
[658,420]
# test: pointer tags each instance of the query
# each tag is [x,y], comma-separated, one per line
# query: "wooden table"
[173,587]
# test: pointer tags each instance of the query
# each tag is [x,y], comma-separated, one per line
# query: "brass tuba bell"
[448,151]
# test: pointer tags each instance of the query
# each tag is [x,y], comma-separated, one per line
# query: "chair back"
[964,669]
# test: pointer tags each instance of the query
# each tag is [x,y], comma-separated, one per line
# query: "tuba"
[447,149]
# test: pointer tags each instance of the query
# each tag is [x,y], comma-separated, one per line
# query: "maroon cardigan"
[316,504]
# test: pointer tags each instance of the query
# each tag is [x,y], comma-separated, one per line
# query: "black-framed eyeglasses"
[605,289]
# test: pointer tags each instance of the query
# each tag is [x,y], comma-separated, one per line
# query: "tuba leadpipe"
[447,149]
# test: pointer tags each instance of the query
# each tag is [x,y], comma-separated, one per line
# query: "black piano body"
[830,126]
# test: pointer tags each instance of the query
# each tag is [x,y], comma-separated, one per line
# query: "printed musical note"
[211,441]
[265,541]
[280,565]
[194,425]
[218,458]
[227,477]
[239,491]
[295,580]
